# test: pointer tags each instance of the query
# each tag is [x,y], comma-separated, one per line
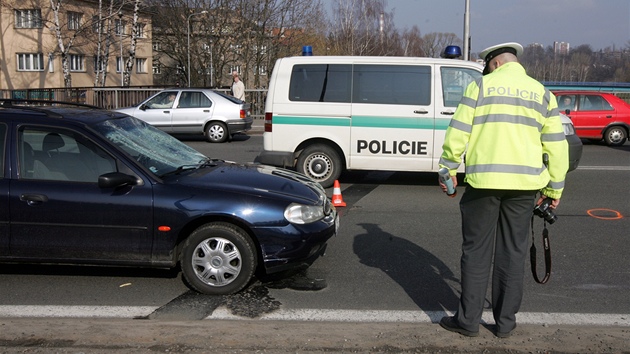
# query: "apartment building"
[31,47]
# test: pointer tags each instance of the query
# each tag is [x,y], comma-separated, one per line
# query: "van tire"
[321,163]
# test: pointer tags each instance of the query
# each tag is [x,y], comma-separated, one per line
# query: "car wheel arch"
[219,258]
[217,122]
[621,125]
[193,225]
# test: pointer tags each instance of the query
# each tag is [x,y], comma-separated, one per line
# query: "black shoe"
[450,324]
[505,334]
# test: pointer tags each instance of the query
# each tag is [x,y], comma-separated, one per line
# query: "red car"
[596,115]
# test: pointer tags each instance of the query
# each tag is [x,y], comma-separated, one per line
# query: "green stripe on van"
[337,122]
[392,122]
[365,122]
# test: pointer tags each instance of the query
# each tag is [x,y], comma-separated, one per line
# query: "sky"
[598,23]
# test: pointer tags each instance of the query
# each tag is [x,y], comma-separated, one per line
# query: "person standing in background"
[238,88]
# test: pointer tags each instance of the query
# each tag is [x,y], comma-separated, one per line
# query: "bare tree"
[412,43]
[362,27]
[433,43]
[136,27]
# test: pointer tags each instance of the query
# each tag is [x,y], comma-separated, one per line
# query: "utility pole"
[467,31]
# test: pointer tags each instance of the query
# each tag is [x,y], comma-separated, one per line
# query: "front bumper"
[296,246]
[276,158]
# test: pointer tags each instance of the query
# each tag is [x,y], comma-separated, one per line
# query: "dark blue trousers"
[495,225]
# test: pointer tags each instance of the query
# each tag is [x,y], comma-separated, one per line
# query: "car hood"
[127,110]
[255,179]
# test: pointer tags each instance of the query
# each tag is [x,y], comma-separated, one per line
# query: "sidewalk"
[43,335]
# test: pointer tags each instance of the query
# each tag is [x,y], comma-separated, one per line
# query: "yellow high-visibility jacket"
[504,124]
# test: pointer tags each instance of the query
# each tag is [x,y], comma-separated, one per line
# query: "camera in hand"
[544,211]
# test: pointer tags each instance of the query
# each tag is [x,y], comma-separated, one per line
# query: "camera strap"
[547,249]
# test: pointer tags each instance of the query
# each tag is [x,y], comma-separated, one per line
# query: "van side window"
[392,84]
[321,83]
[454,83]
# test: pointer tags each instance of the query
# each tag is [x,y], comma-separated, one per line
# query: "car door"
[193,110]
[58,211]
[592,115]
[158,110]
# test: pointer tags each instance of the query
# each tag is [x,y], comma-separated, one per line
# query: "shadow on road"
[422,275]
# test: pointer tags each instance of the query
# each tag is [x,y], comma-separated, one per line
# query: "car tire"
[615,136]
[218,259]
[216,132]
[321,163]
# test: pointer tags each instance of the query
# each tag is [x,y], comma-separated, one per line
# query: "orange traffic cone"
[337,200]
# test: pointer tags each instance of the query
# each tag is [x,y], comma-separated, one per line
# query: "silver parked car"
[195,111]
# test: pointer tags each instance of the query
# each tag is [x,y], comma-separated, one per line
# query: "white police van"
[326,114]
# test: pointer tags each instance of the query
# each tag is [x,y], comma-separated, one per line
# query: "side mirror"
[567,112]
[115,180]
[143,107]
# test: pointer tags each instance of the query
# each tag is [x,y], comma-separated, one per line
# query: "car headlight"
[568,129]
[303,214]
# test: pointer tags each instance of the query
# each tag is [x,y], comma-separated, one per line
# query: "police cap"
[491,52]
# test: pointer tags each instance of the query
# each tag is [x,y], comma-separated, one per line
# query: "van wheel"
[615,136]
[217,259]
[216,132]
[321,163]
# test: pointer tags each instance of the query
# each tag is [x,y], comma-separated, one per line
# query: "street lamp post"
[211,68]
[120,33]
[188,51]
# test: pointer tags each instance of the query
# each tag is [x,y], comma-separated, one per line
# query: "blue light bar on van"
[307,51]
[452,52]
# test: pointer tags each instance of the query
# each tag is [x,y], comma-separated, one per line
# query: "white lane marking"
[540,318]
[604,168]
[429,316]
[76,311]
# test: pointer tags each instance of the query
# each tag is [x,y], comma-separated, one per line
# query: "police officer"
[505,123]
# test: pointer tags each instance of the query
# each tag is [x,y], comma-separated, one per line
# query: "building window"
[119,27]
[99,64]
[157,69]
[119,64]
[156,46]
[97,26]
[262,70]
[74,20]
[140,32]
[77,62]
[234,68]
[30,62]
[236,48]
[262,50]
[141,65]
[28,18]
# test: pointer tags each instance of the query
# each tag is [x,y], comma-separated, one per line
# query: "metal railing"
[116,97]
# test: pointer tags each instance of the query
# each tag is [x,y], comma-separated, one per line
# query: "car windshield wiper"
[179,170]
[208,162]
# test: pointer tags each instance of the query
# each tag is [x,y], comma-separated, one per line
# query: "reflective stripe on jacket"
[504,123]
